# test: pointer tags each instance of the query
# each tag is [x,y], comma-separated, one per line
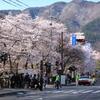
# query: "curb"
[11,93]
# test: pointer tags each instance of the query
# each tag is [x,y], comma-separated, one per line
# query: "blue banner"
[73,39]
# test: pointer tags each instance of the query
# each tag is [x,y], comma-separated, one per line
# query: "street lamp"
[62,48]
[51,39]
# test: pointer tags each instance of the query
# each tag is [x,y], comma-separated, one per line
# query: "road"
[65,93]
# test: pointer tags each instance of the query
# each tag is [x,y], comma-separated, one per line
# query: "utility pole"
[62,51]
[41,75]
[50,18]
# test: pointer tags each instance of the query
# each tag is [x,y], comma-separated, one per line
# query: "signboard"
[77,38]
[73,39]
[63,78]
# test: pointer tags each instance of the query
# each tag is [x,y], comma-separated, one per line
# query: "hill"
[77,15]
[92,32]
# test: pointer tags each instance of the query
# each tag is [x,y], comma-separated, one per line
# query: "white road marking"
[77,91]
[70,91]
[39,99]
[60,92]
[57,91]
[98,91]
[20,93]
[87,91]
[73,91]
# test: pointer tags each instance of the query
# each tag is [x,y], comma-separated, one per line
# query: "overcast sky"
[30,3]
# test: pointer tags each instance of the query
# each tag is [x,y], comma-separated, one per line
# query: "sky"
[29,3]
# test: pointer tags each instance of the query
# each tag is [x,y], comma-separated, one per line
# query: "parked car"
[86,80]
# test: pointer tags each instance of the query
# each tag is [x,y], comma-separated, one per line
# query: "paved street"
[50,93]
[65,93]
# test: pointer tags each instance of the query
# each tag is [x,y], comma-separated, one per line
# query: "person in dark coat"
[27,80]
[41,84]
[35,82]
[12,80]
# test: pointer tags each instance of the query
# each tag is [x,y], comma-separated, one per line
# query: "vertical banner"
[63,79]
[73,39]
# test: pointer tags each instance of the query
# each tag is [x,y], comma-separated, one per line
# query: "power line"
[9,3]
[15,3]
[22,3]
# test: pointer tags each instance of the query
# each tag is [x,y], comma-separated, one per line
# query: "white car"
[86,80]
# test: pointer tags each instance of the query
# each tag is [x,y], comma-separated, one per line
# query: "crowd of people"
[35,81]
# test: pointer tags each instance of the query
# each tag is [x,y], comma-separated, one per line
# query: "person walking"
[77,78]
[45,81]
[57,81]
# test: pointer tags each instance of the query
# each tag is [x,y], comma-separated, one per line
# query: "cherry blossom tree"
[30,39]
